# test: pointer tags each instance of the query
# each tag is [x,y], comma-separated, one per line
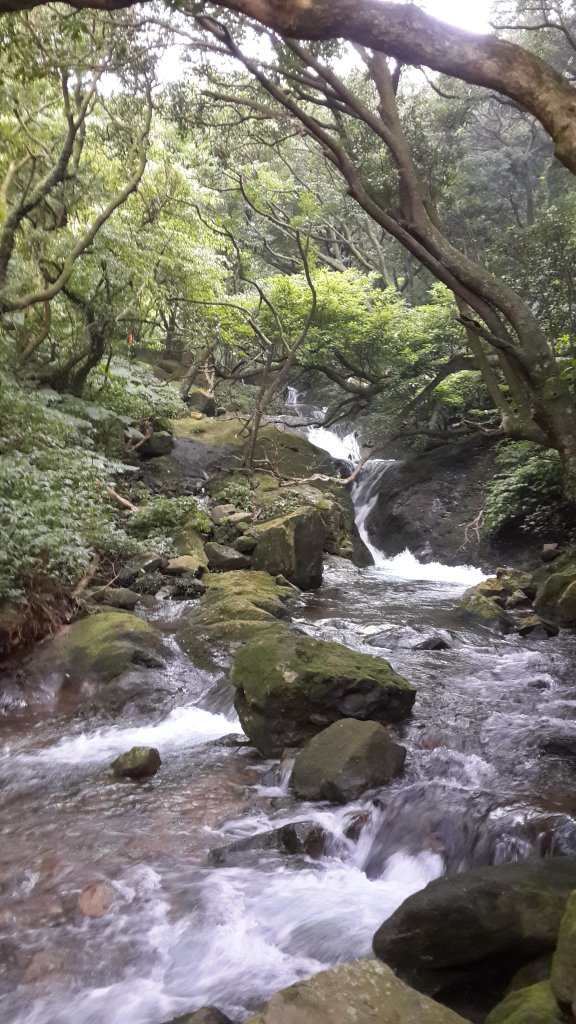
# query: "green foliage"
[54,507]
[528,494]
[163,515]
[132,389]
[237,492]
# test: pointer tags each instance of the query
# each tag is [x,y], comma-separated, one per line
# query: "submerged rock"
[96,899]
[292,545]
[433,643]
[364,992]
[137,763]
[305,838]
[290,686]
[343,761]
[492,918]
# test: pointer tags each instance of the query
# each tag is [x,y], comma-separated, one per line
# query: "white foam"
[346,447]
[184,727]
[406,567]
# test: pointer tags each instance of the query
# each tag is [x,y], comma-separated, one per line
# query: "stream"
[179,934]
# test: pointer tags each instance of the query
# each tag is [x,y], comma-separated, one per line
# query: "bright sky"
[471,14]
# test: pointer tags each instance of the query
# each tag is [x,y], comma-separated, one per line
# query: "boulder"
[137,763]
[236,605]
[187,588]
[364,992]
[103,646]
[532,1005]
[185,565]
[201,401]
[245,543]
[492,919]
[116,597]
[516,579]
[537,628]
[305,838]
[225,559]
[475,605]
[221,512]
[159,443]
[549,552]
[205,1015]
[433,643]
[563,976]
[518,599]
[292,545]
[556,597]
[290,686]
[346,759]
[187,541]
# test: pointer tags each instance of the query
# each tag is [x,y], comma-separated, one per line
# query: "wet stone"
[96,899]
[304,838]
[137,763]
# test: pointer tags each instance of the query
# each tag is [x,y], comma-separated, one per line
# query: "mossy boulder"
[346,759]
[201,401]
[364,992]
[289,686]
[292,545]
[533,1005]
[564,961]
[187,541]
[556,597]
[104,646]
[475,605]
[137,763]
[235,606]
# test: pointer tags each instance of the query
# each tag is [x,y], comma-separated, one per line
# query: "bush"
[167,514]
[528,494]
[132,389]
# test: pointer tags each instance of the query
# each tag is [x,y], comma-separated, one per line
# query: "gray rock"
[292,545]
[245,543]
[205,1015]
[116,597]
[225,559]
[364,992]
[201,401]
[221,512]
[304,838]
[433,643]
[159,443]
[346,759]
[537,628]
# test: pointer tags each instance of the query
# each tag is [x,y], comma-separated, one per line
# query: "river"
[181,934]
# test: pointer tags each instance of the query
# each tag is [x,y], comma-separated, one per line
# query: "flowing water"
[180,934]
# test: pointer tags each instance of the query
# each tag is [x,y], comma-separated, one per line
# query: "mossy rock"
[292,546]
[556,597]
[103,646]
[235,606]
[475,605]
[290,686]
[564,962]
[346,759]
[137,763]
[187,541]
[533,1005]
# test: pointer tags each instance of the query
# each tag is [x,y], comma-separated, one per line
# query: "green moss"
[476,606]
[533,1005]
[564,961]
[102,645]
[556,597]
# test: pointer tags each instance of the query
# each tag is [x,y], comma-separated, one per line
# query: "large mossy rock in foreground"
[492,918]
[365,992]
[532,1005]
[291,686]
[103,647]
[292,546]
[346,759]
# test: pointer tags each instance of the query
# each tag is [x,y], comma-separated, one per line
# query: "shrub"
[132,389]
[528,494]
[163,514]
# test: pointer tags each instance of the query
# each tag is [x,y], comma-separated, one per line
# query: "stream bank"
[478,789]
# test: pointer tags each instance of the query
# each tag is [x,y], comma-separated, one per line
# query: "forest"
[287,388]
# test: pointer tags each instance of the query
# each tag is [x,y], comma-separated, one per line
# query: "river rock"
[532,1005]
[225,559]
[516,579]
[103,646]
[235,607]
[137,763]
[185,565]
[290,686]
[301,837]
[96,899]
[201,401]
[475,605]
[433,643]
[159,443]
[346,759]
[364,992]
[187,541]
[491,918]
[205,1015]
[563,976]
[116,597]
[556,597]
[245,543]
[221,512]
[536,628]
[292,545]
